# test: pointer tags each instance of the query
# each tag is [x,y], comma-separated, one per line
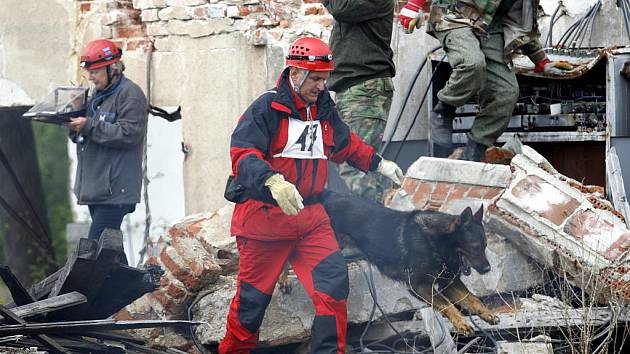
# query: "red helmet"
[100,53]
[310,54]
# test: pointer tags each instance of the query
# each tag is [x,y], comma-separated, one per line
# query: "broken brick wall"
[212,57]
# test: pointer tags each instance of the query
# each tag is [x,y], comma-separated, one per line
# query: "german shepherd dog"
[427,250]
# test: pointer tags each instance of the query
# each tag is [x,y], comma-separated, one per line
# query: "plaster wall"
[35,48]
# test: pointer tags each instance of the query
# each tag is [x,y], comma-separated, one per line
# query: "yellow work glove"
[390,170]
[285,193]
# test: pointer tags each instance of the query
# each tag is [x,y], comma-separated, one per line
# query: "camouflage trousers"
[479,68]
[365,107]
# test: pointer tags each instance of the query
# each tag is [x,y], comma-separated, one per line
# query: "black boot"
[442,129]
[474,151]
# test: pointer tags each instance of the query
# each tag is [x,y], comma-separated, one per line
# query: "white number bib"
[304,140]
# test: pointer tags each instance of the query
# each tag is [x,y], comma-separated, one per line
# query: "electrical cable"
[407,96]
[415,116]
[485,333]
[372,290]
[193,336]
[549,39]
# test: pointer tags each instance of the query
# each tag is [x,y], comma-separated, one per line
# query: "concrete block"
[549,217]
[460,172]
[289,316]
[523,347]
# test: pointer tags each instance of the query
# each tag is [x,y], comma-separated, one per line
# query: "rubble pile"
[540,224]
[68,311]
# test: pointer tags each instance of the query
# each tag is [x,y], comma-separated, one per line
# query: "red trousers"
[320,267]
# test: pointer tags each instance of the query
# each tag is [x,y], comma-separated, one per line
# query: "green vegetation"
[51,144]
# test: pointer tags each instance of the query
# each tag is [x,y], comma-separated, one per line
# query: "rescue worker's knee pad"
[330,277]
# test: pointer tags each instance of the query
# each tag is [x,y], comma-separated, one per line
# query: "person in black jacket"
[362,78]
[109,140]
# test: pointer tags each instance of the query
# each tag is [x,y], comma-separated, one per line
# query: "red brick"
[422,195]
[325,21]
[85,7]
[284,23]
[535,188]
[243,10]
[195,227]
[129,31]
[123,315]
[619,248]
[493,193]
[200,12]
[140,44]
[441,191]
[315,1]
[311,11]
[477,192]
[410,185]
[458,192]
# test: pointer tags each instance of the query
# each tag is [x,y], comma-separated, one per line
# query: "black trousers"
[107,216]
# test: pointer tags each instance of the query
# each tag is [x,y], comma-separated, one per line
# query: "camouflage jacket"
[519,22]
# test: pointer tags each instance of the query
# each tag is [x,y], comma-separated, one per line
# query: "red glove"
[552,67]
[410,12]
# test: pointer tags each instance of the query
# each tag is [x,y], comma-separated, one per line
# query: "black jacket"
[109,159]
[360,41]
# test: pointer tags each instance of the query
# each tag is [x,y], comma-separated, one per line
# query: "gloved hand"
[411,15]
[547,66]
[390,170]
[285,193]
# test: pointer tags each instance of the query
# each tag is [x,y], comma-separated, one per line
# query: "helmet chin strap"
[297,87]
[109,75]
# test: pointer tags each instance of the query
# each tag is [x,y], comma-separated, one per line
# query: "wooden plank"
[79,326]
[42,289]
[48,305]
[125,285]
[18,292]
[44,339]
[77,269]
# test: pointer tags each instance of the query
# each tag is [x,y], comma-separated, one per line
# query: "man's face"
[98,77]
[314,84]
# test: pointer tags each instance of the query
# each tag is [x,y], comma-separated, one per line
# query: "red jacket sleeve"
[249,146]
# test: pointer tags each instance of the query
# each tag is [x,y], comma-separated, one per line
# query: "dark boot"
[441,125]
[474,151]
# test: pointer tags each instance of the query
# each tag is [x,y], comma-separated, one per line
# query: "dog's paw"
[463,328]
[285,287]
[490,317]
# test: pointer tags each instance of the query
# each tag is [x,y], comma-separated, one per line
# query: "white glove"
[285,193]
[390,170]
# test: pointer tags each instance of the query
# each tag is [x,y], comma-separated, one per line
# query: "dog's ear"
[454,225]
[459,220]
[466,215]
[479,214]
